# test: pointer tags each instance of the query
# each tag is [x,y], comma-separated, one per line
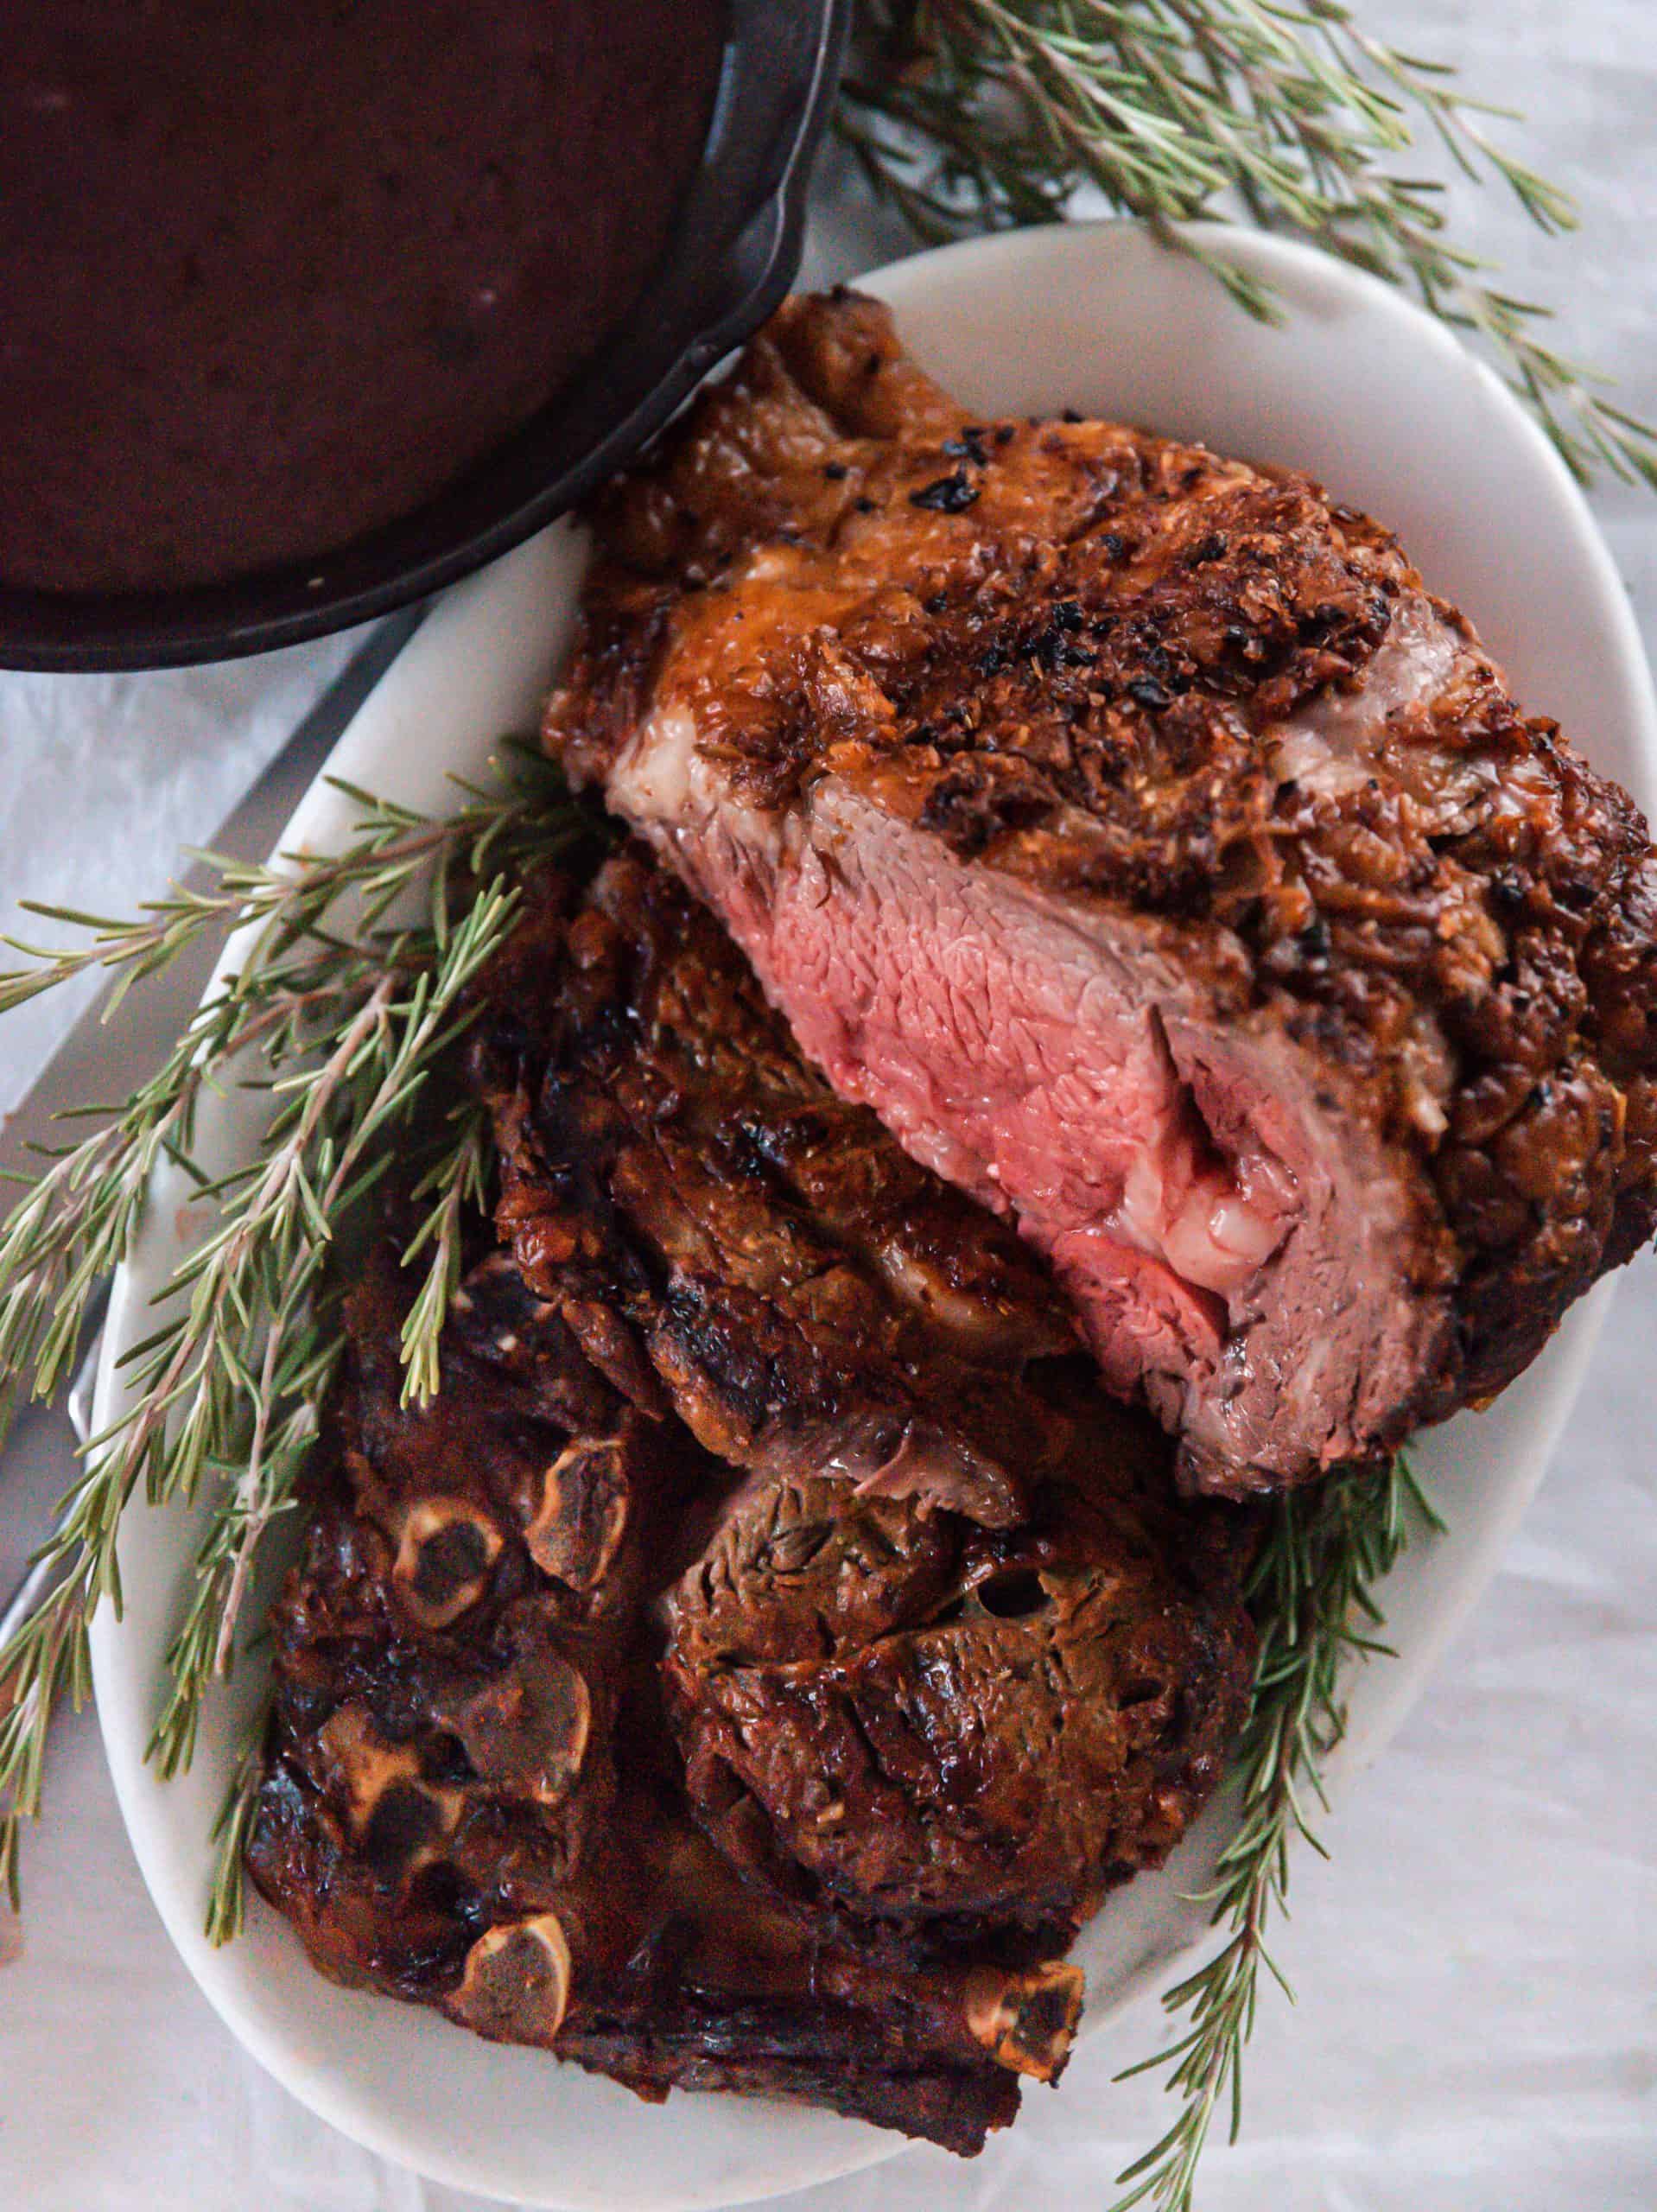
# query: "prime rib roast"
[771,1642]
[1171,872]
[1098,930]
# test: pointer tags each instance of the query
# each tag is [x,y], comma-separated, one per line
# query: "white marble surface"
[1476,1968]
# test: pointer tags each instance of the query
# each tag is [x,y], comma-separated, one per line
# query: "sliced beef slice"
[1137,835]
[924,1717]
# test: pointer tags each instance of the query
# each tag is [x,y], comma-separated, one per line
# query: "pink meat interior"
[1224,1242]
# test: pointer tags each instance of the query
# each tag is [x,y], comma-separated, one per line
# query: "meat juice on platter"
[276,271]
[1109,1000]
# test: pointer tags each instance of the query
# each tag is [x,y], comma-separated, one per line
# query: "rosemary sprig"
[342,1016]
[227,1898]
[455,1184]
[1314,1599]
[969,113]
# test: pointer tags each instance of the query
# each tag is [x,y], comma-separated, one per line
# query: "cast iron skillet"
[733,255]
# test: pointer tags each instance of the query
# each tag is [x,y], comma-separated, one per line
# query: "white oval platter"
[1375,399]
